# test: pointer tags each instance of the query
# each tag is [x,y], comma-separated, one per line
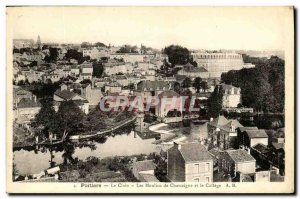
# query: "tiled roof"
[148,177]
[260,133]
[168,94]
[193,152]
[261,148]
[234,123]
[65,94]
[240,155]
[114,84]
[152,85]
[219,121]
[28,103]
[215,153]
[242,129]
[144,165]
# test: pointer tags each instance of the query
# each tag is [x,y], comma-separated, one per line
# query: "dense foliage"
[262,87]
[214,102]
[177,54]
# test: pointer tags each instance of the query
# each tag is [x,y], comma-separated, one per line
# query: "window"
[197,169]
[207,179]
[196,180]
[207,166]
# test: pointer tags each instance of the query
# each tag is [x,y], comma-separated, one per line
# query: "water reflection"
[34,160]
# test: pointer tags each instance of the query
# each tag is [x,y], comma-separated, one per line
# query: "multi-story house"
[231,95]
[189,162]
[93,95]
[26,110]
[222,133]
[168,101]
[151,88]
[63,94]
[233,161]
[20,93]
[250,136]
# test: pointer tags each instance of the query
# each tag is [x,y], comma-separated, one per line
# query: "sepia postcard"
[150,100]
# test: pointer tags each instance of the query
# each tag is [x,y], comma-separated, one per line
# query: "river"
[31,161]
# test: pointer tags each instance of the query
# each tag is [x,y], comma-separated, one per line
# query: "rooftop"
[260,133]
[65,94]
[168,94]
[144,165]
[240,155]
[28,103]
[152,85]
[194,152]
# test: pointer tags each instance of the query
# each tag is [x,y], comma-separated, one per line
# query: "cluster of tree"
[88,45]
[198,83]
[53,55]
[177,54]
[23,50]
[98,69]
[128,49]
[68,118]
[74,54]
[40,89]
[145,49]
[214,102]
[262,87]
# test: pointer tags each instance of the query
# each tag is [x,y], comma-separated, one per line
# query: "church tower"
[38,42]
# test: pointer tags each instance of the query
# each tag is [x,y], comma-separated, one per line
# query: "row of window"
[219,56]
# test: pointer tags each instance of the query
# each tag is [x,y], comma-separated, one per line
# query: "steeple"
[38,42]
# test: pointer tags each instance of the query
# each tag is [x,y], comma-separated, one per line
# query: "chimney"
[248,150]
[232,128]
[177,145]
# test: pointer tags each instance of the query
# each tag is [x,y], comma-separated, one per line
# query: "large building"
[218,63]
[189,162]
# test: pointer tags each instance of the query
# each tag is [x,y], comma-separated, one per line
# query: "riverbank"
[24,139]
[103,132]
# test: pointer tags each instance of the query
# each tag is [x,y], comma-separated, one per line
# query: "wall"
[246,167]
[176,165]
[199,171]
[255,141]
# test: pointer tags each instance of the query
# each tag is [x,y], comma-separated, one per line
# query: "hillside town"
[95,112]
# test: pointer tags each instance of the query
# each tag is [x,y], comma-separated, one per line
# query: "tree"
[204,86]
[73,54]
[45,118]
[86,81]
[128,49]
[99,44]
[177,87]
[53,55]
[197,83]
[69,118]
[97,69]
[85,44]
[177,54]
[262,87]
[215,102]
[187,82]
[95,121]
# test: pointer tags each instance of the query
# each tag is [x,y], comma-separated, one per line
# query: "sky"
[256,28]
